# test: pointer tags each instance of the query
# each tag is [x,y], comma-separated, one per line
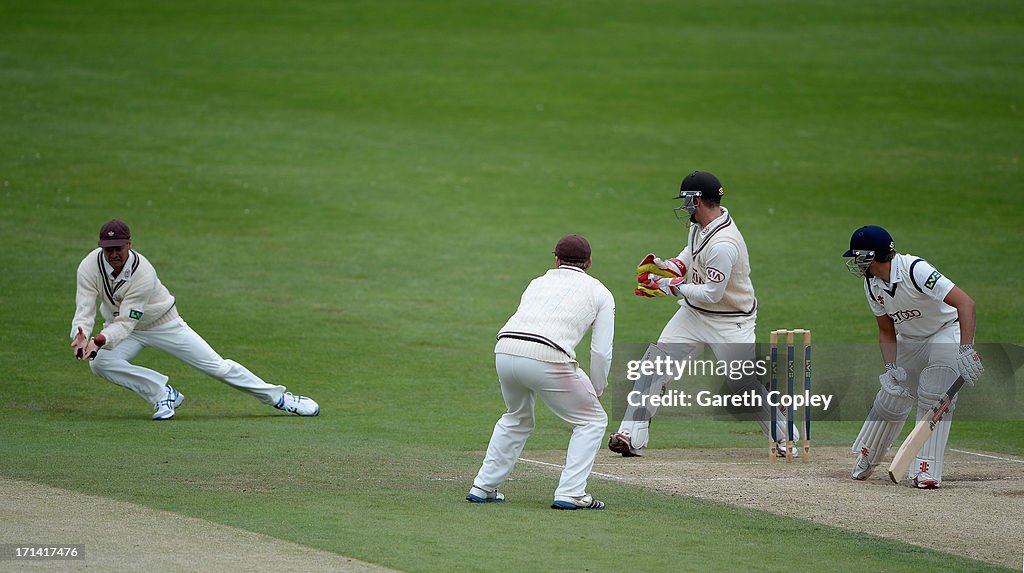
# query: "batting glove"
[891,379]
[970,364]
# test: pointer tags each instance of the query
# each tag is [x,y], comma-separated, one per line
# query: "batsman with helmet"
[926,334]
[717,307]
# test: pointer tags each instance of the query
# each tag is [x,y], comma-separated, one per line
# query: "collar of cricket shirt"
[897,270]
[716,222]
[126,270]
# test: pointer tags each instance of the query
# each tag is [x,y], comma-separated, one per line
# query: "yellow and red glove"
[652,285]
[670,268]
[659,278]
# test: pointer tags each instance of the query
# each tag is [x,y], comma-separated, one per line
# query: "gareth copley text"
[707,399]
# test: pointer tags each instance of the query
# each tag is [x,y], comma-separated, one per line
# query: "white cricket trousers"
[567,390]
[732,340]
[179,340]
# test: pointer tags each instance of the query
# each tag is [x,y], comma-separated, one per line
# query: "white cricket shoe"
[862,468]
[165,408]
[481,495]
[924,481]
[585,501]
[298,405]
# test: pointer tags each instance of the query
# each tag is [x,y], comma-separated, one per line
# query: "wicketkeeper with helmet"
[926,334]
[717,306]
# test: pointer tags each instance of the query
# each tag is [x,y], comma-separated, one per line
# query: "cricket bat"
[915,441]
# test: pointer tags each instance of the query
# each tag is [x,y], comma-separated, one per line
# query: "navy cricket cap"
[114,234]
[704,183]
[870,238]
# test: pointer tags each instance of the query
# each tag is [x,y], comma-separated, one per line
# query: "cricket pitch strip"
[976,512]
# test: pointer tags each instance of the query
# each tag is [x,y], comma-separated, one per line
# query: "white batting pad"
[884,422]
[935,380]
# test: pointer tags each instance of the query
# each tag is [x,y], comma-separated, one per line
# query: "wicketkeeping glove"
[891,379]
[651,285]
[969,363]
[647,287]
[659,278]
[669,269]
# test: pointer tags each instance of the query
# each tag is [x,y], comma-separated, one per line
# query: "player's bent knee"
[524,421]
[892,408]
[935,380]
[102,364]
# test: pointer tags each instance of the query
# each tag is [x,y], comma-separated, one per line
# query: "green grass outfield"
[349,197]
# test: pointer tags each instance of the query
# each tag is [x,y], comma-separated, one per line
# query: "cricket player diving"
[139,312]
[717,307]
[535,357]
[926,334]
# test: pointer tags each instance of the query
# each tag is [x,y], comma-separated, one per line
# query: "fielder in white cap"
[536,357]
[717,308]
[139,312]
[926,334]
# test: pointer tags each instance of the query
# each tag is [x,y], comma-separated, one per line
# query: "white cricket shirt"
[912,297]
[134,299]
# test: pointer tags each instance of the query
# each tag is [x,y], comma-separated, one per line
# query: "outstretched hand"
[78,345]
[83,348]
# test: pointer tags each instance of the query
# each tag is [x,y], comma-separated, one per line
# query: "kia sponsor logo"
[904,315]
[715,275]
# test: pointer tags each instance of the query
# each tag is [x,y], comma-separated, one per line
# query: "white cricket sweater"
[557,310]
[718,270]
[135,299]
